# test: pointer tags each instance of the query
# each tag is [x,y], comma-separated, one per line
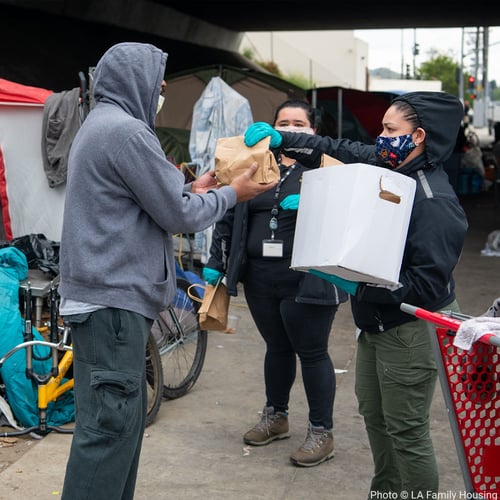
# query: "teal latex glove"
[258,130]
[349,286]
[211,276]
[291,202]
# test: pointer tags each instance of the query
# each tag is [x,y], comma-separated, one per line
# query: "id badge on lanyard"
[272,247]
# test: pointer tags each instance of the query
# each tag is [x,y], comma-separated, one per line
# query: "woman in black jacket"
[293,311]
[395,367]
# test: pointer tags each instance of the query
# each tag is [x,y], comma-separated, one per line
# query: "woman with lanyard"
[293,311]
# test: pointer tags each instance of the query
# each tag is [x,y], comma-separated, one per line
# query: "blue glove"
[349,286]
[211,276]
[291,202]
[257,131]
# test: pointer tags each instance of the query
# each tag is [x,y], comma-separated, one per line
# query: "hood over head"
[130,74]
[440,115]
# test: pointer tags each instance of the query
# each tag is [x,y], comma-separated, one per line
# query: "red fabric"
[15,92]
[4,200]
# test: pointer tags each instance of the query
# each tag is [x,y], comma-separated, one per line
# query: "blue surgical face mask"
[394,150]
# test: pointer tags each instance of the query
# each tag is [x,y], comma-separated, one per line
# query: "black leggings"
[290,328]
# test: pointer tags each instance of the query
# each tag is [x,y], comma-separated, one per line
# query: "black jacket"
[438,223]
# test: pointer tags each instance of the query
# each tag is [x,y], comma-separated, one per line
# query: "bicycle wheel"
[181,342]
[154,378]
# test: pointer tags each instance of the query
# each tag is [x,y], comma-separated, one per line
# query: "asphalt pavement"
[195,450]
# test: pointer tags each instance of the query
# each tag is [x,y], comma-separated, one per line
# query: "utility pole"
[461,70]
[402,55]
[416,51]
[476,54]
[310,73]
[486,86]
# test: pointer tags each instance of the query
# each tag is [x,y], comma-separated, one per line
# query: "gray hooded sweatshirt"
[124,200]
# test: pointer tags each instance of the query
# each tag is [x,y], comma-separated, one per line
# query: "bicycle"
[54,384]
[181,342]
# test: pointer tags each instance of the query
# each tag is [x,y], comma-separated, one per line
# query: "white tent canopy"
[28,204]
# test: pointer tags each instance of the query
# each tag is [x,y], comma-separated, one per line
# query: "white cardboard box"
[352,221]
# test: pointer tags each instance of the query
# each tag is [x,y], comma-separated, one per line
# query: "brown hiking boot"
[317,448]
[272,426]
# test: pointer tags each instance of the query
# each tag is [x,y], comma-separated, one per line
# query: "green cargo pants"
[395,382]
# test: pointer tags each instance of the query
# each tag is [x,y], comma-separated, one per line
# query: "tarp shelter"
[349,113]
[219,112]
[28,204]
[264,91]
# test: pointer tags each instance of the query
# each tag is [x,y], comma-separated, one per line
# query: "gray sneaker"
[317,448]
[273,425]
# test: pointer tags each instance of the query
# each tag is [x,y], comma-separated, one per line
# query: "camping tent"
[28,204]
[348,113]
[264,91]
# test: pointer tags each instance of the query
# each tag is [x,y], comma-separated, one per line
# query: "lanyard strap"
[273,223]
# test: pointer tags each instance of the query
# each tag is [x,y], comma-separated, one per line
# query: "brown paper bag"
[214,308]
[328,161]
[232,158]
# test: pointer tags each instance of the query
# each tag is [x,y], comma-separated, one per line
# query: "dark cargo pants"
[110,397]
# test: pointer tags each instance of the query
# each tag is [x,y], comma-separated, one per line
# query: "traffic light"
[472,87]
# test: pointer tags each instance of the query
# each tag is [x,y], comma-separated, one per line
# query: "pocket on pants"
[83,336]
[409,376]
[116,401]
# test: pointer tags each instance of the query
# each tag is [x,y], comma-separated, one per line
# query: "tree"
[441,67]
[444,68]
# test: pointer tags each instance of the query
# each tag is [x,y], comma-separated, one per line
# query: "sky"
[393,49]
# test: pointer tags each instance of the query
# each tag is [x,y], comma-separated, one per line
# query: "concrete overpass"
[47,42]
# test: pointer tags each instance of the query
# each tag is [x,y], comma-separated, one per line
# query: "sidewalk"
[194,450]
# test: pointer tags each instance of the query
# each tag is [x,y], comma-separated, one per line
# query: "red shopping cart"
[471,387]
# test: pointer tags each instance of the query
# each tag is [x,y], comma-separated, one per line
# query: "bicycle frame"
[50,386]
[54,387]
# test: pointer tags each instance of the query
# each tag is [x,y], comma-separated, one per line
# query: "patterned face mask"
[394,150]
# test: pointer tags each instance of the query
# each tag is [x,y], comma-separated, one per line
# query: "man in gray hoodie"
[124,201]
